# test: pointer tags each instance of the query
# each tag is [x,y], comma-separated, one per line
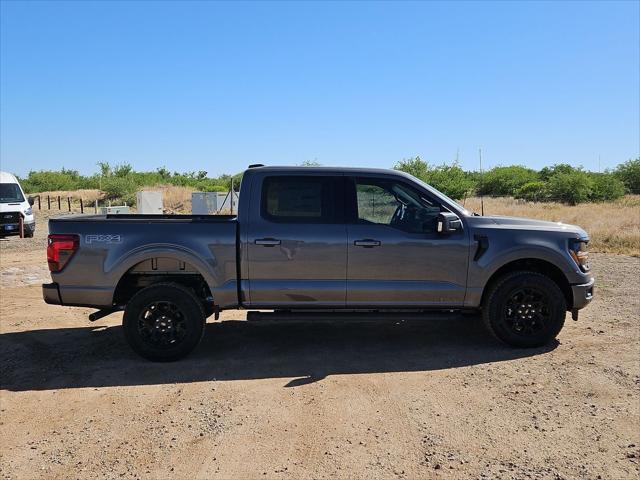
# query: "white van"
[13,205]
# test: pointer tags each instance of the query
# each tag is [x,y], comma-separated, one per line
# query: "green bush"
[560,182]
[118,188]
[547,172]
[629,173]
[449,179]
[533,191]
[501,181]
[606,187]
[571,187]
[413,166]
[47,181]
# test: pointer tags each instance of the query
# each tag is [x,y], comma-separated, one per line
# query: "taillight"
[60,249]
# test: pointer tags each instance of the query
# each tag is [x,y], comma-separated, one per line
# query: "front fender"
[506,247]
[487,266]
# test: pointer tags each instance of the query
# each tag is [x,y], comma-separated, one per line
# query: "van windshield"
[10,193]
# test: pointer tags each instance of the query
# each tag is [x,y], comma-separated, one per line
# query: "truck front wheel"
[164,322]
[524,309]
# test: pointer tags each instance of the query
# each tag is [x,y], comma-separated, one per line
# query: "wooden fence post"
[69,203]
[81,206]
[48,202]
[59,203]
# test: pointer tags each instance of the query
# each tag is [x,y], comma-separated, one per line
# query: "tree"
[629,173]
[449,179]
[547,172]
[572,188]
[606,187]
[122,170]
[506,180]
[105,169]
[310,163]
[413,166]
[533,191]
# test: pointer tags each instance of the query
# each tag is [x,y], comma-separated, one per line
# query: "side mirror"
[448,223]
[31,200]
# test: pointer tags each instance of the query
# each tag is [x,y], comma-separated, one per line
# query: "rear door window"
[301,199]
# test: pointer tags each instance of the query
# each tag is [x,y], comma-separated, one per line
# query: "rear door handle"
[267,242]
[367,243]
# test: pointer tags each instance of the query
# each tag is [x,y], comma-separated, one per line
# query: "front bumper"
[582,294]
[14,228]
[51,293]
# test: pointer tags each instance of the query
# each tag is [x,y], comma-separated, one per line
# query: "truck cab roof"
[6,177]
[325,170]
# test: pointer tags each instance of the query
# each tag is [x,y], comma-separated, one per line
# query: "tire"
[164,322]
[524,309]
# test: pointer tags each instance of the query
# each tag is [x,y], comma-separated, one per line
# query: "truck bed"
[112,246]
[149,218]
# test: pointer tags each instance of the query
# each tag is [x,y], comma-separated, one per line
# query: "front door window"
[392,203]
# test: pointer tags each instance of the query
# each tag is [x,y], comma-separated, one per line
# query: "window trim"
[337,216]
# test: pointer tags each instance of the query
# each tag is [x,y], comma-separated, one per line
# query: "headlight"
[578,251]
[28,211]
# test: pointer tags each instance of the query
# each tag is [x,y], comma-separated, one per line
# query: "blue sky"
[217,86]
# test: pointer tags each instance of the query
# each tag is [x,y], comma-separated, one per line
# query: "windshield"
[450,200]
[10,193]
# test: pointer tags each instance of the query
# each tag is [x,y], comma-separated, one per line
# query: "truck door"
[297,242]
[396,256]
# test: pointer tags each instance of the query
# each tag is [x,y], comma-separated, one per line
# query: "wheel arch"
[537,265]
[168,269]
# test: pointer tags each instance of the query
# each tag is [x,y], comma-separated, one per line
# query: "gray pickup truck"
[319,239]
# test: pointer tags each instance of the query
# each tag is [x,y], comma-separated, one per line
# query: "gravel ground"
[423,399]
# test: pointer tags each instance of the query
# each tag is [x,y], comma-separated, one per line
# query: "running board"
[103,313]
[348,316]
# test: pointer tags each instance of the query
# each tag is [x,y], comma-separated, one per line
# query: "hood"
[532,224]
[14,206]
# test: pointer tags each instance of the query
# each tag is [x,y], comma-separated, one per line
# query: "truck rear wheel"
[524,309]
[164,322]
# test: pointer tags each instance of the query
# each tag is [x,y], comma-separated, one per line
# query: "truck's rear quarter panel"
[110,247]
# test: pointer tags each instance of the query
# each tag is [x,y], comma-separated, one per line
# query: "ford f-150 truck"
[309,239]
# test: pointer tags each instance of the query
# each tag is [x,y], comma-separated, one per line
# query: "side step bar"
[348,316]
[103,313]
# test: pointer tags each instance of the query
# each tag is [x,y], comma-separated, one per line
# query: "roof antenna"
[481,177]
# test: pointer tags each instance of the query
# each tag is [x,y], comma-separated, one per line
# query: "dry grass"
[175,199]
[87,196]
[614,227]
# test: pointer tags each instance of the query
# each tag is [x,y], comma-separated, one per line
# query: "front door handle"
[267,242]
[367,243]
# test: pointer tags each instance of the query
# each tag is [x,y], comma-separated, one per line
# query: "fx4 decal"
[112,238]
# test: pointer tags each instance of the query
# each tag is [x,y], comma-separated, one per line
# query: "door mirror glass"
[448,223]
[31,201]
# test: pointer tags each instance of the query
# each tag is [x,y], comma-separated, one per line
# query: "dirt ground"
[437,398]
